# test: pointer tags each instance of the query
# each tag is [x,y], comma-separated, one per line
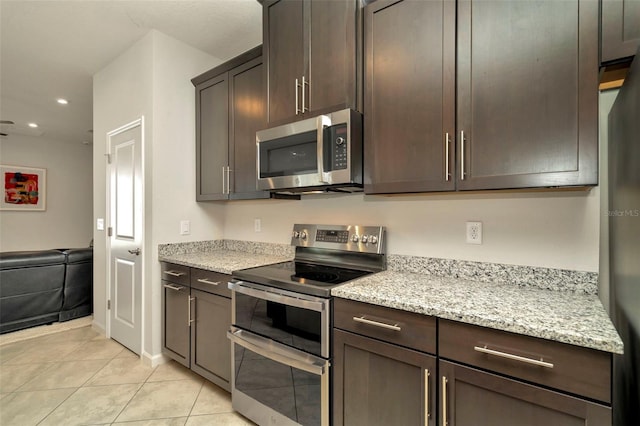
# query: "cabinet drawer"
[177,274]
[573,369]
[390,325]
[211,282]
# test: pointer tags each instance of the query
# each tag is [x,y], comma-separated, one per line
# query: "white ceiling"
[51,49]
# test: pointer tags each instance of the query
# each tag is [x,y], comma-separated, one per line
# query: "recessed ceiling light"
[62,101]
[33,125]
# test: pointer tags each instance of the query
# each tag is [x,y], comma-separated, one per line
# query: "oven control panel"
[363,239]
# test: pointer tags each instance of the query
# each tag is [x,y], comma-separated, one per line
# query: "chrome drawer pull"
[539,362]
[175,274]
[206,281]
[363,320]
[173,287]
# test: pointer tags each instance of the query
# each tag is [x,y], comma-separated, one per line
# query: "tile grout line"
[195,400]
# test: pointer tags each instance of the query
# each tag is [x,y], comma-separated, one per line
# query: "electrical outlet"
[185,227]
[257,225]
[474,232]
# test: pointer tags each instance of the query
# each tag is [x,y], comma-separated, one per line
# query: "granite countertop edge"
[376,289]
[223,261]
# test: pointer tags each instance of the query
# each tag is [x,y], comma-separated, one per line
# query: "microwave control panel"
[338,143]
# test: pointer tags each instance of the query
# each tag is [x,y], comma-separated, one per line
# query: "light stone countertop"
[224,256]
[223,260]
[567,317]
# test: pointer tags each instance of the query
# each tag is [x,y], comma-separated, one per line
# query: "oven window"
[293,393]
[290,155]
[292,326]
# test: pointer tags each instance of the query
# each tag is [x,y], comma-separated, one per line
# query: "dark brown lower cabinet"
[195,319]
[471,397]
[210,348]
[176,343]
[377,383]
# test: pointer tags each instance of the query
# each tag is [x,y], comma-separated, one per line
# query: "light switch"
[185,227]
[100,224]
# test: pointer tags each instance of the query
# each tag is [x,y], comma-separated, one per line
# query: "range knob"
[296,234]
[339,140]
[364,239]
[355,238]
[373,239]
[303,235]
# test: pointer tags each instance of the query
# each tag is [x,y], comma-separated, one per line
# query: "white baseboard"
[153,360]
[99,328]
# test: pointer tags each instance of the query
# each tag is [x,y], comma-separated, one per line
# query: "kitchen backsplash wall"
[549,229]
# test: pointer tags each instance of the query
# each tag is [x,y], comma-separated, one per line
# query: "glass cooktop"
[307,278]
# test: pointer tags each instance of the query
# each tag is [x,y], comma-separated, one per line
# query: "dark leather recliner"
[31,288]
[78,284]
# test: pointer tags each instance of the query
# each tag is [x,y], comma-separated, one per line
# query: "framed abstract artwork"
[23,188]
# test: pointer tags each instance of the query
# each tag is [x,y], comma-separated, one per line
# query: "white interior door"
[126,221]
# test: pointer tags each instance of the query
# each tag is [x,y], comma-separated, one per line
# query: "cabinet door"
[527,93]
[332,57]
[212,138]
[475,398]
[284,50]
[376,383]
[620,29]
[409,98]
[210,348]
[175,322]
[246,103]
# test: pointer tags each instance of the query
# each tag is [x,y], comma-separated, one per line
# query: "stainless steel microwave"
[319,154]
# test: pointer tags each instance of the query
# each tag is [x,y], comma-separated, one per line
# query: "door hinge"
[108,158]
[108,305]
[109,231]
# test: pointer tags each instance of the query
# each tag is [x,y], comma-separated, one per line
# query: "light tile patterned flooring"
[78,377]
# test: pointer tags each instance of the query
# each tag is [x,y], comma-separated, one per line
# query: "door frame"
[110,135]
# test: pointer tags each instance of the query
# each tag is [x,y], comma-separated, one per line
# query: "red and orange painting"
[23,188]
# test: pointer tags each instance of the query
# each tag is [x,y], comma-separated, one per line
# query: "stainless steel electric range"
[281,323]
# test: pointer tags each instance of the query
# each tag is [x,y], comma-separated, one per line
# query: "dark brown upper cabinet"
[310,51]
[527,94]
[620,29]
[409,100]
[523,99]
[229,110]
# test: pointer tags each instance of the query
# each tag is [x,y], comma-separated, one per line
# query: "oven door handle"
[298,302]
[278,352]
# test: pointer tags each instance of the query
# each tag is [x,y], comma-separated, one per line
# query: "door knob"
[135,251]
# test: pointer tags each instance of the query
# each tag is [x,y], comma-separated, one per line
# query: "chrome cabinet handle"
[206,281]
[303,92]
[446,157]
[228,169]
[364,320]
[461,154]
[135,251]
[191,299]
[540,363]
[297,86]
[173,287]
[223,183]
[427,414]
[175,274]
[445,421]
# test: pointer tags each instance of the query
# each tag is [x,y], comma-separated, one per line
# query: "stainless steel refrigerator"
[624,246]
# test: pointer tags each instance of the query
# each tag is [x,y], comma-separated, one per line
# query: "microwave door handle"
[323,176]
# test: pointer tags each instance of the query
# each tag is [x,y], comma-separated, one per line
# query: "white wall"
[152,79]
[551,229]
[606,102]
[122,92]
[173,154]
[67,219]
